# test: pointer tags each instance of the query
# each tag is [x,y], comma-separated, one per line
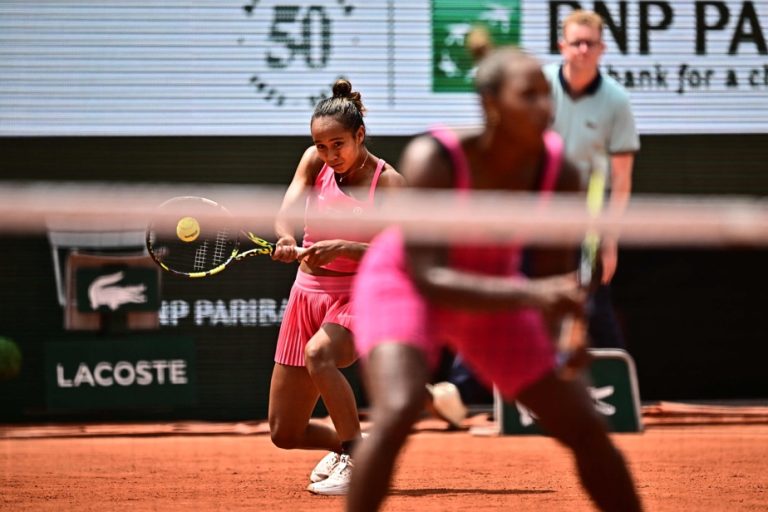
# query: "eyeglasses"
[591,45]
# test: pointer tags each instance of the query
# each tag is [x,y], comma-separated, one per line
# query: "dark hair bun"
[342,88]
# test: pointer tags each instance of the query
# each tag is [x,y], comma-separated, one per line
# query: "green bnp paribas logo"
[452,20]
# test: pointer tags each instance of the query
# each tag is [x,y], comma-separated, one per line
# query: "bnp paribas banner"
[238,67]
[452,65]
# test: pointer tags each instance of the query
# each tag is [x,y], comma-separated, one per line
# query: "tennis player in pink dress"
[410,299]
[337,174]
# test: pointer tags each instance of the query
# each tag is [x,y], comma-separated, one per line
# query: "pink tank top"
[327,197]
[495,259]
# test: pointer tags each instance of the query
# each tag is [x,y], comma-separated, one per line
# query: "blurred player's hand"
[323,252]
[560,295]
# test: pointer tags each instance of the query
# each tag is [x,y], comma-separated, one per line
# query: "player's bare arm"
[306,171]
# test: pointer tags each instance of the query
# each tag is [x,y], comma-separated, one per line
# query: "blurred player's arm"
[303,179]
[448,287]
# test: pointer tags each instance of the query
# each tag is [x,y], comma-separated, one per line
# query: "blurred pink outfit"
[510,349]
[317,300]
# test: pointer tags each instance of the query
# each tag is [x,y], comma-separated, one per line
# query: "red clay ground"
[686,468]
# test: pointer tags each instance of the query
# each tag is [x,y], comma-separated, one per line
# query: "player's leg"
[328,350]
[566,411]
[292,398]
[395,376]
[292,393]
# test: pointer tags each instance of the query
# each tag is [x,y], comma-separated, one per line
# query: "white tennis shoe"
[337,483]
[324,467]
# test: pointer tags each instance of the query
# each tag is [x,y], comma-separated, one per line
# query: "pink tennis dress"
[317,300]
[510,349]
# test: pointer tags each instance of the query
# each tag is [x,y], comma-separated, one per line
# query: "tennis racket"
[196,237]
[574,339]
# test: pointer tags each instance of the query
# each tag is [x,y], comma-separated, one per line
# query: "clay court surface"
[235,467]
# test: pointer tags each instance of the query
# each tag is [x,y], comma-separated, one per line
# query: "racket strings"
[200,261]
[220,247]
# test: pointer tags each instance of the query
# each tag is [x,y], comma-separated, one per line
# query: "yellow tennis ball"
[188,229]
[10,359]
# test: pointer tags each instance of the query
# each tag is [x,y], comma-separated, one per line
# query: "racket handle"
[300,251]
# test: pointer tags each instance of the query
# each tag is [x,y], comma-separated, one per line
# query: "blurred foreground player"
[408,298]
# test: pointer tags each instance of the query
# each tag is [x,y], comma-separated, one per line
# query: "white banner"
[221,67]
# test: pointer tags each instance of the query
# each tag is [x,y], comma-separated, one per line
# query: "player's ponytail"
[479,42]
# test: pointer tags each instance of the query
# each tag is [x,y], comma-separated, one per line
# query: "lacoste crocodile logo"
[102,292]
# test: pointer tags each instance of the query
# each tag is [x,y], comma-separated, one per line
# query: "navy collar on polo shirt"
[590,89]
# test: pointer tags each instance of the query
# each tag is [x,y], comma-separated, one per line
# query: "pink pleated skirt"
[314,301]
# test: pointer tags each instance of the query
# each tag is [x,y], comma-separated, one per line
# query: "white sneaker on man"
[324,467]
[337,483]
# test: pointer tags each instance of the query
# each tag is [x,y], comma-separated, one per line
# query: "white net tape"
[424,215]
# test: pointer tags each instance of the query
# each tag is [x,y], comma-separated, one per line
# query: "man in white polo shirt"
[593,115]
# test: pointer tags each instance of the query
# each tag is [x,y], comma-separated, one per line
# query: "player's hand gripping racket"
[574,339]
[196,237]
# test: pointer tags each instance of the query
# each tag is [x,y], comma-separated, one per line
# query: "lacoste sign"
[123,373]
[120,372]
